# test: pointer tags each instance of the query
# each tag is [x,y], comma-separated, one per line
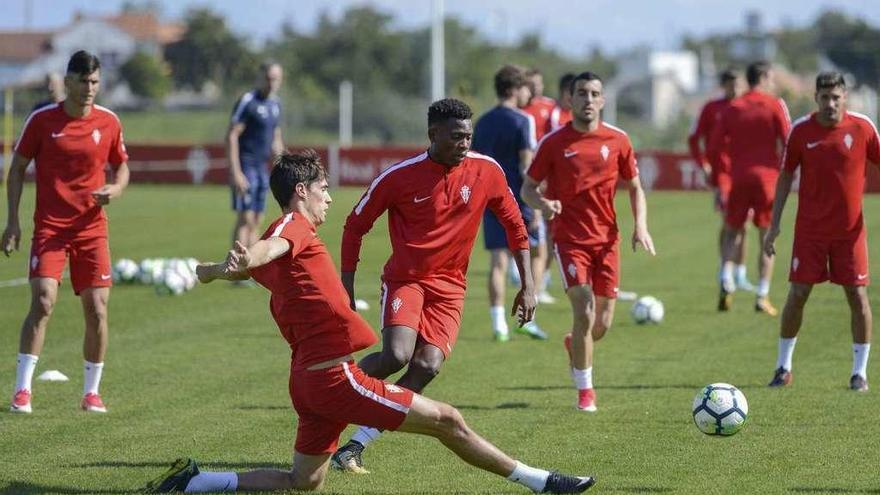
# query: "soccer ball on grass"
[720,409]
[647,309]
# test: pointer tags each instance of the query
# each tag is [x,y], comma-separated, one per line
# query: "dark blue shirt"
[502,133]
[260,117]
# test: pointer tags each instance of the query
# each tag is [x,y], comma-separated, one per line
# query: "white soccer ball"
[172,283]
[720,409]
[647,309]
[125,271]
[145,273]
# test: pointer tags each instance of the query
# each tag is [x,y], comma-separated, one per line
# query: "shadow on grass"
[211,465]
[634,386]
[640,489]
[807,489]
[265,408]
[24,488]
[506,405]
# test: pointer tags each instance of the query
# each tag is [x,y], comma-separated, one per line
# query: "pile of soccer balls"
[169,276]
[647,309]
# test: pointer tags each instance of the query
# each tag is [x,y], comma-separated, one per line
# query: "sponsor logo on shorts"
[605,152]
[794,264]
[572,270]
[569,153]
[862,276]
[848,141]
[105,277]
[465,193]
[56,135]
[394,389]
[813,145]
[396,304]
[419,200]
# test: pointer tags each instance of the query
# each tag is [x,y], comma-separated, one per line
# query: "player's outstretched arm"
[639,206]
[783,187]
[12,233]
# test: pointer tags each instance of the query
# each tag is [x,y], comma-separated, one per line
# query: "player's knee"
[394,359]
[43,304]
[312,481]
[426,366]
[451,422]
[798,295]
[599,329]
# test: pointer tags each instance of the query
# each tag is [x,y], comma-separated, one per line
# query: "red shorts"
[330,399]
[751,193]
[431,307]
[843,262]
[597,266]
[723,183]
[89,259]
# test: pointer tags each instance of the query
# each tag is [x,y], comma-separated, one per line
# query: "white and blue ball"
[647,309]
[720,409]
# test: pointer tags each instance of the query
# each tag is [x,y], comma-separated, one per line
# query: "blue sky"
[570,26]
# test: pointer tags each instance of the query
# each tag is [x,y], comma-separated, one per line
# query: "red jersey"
[581,170]
[541,109]
[434,215]
[702,131]
[749,130]
[70,154]
[559,117]
[308,301]
[833,163]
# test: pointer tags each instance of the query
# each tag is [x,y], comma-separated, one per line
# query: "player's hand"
[550,208]
[106,193]
[239,258]
[770,241]
[241,183]
[641,237]
[348,284]
[524,305]
[11,239]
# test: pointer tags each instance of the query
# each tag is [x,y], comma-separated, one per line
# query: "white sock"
[763,287]
[546,282]
[532,478]
[582,378]
[92,373]
[860,359]
[24,371]
[727,277]
[740,272]
[499,320]
[207,481]
[365,435]
[786,350]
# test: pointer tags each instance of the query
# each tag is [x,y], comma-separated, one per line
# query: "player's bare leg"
[792,316]
[44,294]
[861,323]
[583,306]
[398,346]
[537,258]
[739,259]
[765,272]
[604,317]
[729,235]
[308,473]
[94,302]
[498,263]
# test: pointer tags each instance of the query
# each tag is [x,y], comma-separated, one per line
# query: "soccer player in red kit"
[540,107]
[719,177]
[831,147]
[752,130]
[71,143]
[328,390]
[561,113]
[435,202]
[581,163]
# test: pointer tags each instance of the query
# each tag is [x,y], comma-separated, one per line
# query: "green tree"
[147,76]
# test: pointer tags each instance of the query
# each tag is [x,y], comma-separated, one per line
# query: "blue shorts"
[255,198]
[494,236]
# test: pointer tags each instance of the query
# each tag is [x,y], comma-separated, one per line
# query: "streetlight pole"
[438,57]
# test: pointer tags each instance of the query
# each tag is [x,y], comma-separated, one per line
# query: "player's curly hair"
[290,169]
[448,108]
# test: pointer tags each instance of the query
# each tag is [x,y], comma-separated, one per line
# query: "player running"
[328,390]
[752,130]
[831,147]
[581,163]
[71,143]
[719,177]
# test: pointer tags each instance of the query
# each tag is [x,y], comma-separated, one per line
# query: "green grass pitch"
[205,374]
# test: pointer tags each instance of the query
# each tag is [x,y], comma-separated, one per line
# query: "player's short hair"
[727,75]
[757,71]
[83,63]
[829,80]
[565,82]
[509,78]
[533,71]
[268,64]
[448,108]
[583,76]
[292,168]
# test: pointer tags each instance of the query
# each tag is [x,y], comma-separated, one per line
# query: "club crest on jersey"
[396,304]
[848,140]
[96,136]
[605,152]
[465,193]
[572,270]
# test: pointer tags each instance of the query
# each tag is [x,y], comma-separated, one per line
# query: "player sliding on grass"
[831,146]
[435,201]
[328,390]
[581,163]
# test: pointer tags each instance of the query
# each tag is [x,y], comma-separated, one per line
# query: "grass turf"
[205,374]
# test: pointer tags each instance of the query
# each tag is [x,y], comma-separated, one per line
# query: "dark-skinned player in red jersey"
[328,389]
[435,202]
[832,148]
